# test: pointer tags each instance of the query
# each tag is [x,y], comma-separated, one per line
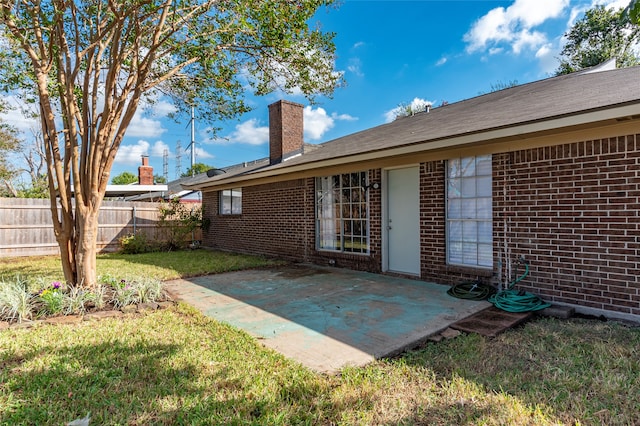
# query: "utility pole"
[193,140]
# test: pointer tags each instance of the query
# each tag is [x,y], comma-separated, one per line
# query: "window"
[231,201]
[469,212]
[342,213]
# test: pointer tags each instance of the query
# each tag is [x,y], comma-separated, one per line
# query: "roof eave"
[555,123]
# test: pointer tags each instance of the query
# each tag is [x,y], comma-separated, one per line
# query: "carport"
[326,318]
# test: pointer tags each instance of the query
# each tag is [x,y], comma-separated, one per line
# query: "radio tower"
[178,157]
[165,165]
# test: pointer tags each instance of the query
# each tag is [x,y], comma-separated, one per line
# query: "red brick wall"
[279,220]
[573,212]
[274,221]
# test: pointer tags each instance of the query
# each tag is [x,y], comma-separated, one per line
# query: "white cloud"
[514,25]
[250,132]
[546,56]
[202,154]
[355,67]
[162,108]
[441,61]
[20,116]
[416,105]
[343,117]
[316,123]
[158,148]
[147,121]
[131,154]
[144,127]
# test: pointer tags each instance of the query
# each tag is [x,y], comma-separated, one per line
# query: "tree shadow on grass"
[144,382]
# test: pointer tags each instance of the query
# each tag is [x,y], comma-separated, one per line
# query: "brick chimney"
[145,172]
[285,130]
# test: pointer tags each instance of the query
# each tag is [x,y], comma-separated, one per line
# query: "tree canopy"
[197,168]
[124,178]
[89,64]
[601,34]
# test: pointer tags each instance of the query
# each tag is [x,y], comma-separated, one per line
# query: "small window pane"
[455,231]
[470,231]
[483,208]
[484,186]
[455,209]
[485,255]
[455,252]
[454,189]
[468,188]
[225,203]
[469,208]
[485,232]
[470,253]
[454,168]
[468,166]
[483,165]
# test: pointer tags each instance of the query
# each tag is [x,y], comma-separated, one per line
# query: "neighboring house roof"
[553,104]
[170,190]
[120,191]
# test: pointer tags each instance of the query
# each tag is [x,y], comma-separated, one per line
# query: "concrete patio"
[326,318]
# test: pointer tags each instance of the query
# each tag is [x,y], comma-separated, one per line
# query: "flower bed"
[18,303]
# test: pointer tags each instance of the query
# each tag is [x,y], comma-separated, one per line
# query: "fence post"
[133,212]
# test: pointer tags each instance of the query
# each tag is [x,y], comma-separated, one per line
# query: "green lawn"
[160,265]
[177,366]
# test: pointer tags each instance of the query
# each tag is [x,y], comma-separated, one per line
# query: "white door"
[403,220]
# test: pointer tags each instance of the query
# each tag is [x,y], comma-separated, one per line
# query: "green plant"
[135,243]
[149,290]
[52,299]
[123,295]
[98,296]
[16,303]
[76,300]
[181,221]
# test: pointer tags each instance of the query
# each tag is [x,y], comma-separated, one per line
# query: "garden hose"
[474,290]
[511,300]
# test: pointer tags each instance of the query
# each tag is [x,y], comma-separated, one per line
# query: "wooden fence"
[26,228]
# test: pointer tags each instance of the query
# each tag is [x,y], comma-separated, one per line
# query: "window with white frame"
[231,201]
[469,212]
[342,213]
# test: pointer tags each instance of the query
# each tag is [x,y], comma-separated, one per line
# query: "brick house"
[547,171]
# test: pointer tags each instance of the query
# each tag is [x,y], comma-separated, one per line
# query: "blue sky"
[391,53]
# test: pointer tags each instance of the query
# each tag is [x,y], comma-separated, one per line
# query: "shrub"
[16,303]
[182,221]
[135,243]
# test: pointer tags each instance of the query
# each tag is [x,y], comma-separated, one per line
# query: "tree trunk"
[87,228]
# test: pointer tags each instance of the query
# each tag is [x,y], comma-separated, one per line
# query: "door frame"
[385,215]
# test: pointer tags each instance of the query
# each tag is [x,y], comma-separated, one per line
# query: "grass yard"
[160,265]
[177,366]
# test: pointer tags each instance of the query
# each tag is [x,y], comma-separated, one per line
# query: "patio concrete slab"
[326,318]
